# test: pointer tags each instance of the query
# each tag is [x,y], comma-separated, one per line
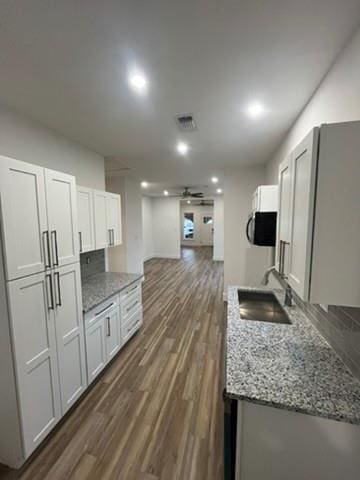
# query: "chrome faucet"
[265,279]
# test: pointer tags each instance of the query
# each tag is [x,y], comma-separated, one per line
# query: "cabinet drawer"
[131,325]
[129,308]
[100,310]
[130,292]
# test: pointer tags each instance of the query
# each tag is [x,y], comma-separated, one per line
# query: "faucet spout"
[288,296]
[265,279]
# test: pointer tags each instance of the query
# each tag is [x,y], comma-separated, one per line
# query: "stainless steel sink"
[261,306]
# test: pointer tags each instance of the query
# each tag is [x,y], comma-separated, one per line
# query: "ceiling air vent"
[186,122]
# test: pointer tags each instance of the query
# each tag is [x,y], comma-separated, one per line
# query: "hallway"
[156,413]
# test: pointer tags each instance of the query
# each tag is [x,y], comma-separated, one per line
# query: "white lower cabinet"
[46,327]
[276,444]
[109,326]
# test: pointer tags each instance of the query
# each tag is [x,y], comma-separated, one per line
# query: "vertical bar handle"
[58,300]
[80,242]
[46,244]
[54,238]
[108,333]
[109,232]
[50,289]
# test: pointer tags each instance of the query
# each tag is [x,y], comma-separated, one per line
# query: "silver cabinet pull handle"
[54,239]
[58,301]
[109,232]
[50,290]
[283,256]
[105,309]
[132,306]
[280,257]
[113,236]
[80,242]
[108,333]
[46,243]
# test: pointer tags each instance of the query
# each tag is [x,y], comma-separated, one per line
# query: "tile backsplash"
[92,263]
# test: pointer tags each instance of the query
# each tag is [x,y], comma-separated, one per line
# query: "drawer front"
[131,325]
[130,307]
[132,291]
[101,310]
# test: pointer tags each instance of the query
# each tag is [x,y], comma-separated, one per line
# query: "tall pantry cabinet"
[43,373]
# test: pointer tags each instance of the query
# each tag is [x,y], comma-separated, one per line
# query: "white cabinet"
[113,338]
[283,222]
[113,216]
[39,218]
[62,217]
[85,219]
[69,334]
[107,217]
[24,220]
[95,349]
[102,234]
[265,199]
[302,203]
[34,342]
[319,223]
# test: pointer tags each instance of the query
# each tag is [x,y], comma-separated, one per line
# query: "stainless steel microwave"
[261,229]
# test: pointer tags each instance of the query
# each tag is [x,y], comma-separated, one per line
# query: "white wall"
[166,227]
[337,99]
[127,257]
[243,263]
[219,228]
[198,211]
[147,226]
[29,141]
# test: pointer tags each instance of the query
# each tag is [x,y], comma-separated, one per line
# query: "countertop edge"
[140,277]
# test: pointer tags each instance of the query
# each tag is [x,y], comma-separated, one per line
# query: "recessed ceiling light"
[255,109]
[188,201]
[218,190]
[214,179]
[182,148]
[144,184]
[166,193]
[138,82]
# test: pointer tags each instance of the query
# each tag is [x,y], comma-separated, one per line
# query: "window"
[207,219]
[188,226]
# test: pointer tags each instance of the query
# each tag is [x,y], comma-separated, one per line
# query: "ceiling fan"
[186,193]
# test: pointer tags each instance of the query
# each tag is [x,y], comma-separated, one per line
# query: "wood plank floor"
[156,413]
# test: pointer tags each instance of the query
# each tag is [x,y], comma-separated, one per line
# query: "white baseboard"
[218,259]
[165,255]
[148,257]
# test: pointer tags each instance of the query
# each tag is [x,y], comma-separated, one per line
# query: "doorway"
[197,223]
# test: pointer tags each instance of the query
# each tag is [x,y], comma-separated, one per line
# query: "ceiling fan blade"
[197,195]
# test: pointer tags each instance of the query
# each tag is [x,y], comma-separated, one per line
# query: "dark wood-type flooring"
[156,412]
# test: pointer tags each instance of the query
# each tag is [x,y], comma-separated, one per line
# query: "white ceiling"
[66,64]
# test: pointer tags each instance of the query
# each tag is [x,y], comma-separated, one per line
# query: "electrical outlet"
[88,260]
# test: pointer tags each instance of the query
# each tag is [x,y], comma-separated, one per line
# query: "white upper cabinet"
[34,340]
[283,221]
[319,236]
[113,212]
[62,217]
[107,217]
[302,203]
[24,221]
[69,334]
[102,236]
[85,219]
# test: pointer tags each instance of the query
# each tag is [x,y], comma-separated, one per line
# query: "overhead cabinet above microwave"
[318,238]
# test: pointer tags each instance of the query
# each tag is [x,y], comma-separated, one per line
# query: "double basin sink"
[261,306]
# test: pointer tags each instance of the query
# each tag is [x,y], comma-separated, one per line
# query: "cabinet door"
[85,219]
[24,222]
[303,176]
[283,221]
[113,212]
[113,339]
[69,334]
[102,235]
[62,217]
[34,342]
[95,349]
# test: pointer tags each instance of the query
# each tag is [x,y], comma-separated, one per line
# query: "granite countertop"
[101,286]
[287,366]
